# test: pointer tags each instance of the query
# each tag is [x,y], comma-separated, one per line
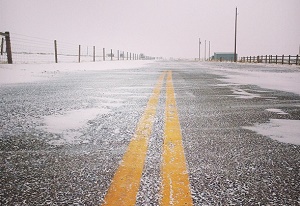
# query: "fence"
[17,48]
[272,59]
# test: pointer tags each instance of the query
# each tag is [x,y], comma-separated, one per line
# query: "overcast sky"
[168,28]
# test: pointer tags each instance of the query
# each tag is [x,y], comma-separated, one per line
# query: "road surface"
[171,133]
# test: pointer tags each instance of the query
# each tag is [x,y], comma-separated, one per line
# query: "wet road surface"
[167,134]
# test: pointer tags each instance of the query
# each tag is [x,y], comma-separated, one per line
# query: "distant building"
[223,56]
[142,56]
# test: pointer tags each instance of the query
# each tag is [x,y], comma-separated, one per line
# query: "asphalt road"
[221,162]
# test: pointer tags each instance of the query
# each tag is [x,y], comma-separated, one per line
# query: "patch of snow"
[68,125]
[117,131]
[276,80]
[282,130]
[242,94]
[278,111]
[225,85]
[190,94]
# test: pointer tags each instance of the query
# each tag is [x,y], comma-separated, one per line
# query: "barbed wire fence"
[20,49]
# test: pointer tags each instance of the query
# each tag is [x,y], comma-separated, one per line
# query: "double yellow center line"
[175,183]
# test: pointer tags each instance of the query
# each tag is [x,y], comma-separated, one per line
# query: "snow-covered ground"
[21,73]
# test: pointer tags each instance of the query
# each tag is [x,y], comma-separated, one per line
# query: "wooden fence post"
[111,55]
[297,59]
[79,54]
[276,59]
[55,50]
[103,54]
[271,59]
[266,59]
[2,42]
[289,59]
[94,53]
[8,48]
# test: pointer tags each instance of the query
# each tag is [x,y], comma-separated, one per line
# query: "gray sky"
[168,28]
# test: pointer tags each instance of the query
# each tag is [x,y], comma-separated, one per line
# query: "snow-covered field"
[21,73]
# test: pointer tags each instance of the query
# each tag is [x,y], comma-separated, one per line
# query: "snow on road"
[68,123]
[282,78]
[283,130]
[274,77]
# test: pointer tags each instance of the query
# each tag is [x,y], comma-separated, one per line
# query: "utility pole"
[79,53]
[235,55]
[205,51]
[55,50]
[209,51]
[94,53]
[199,48]
[103,54]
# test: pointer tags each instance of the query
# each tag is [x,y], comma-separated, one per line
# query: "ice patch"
[282,130]
[68,125]
[278,111]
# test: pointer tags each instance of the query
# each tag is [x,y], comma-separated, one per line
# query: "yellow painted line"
[175,179]
[126,181]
